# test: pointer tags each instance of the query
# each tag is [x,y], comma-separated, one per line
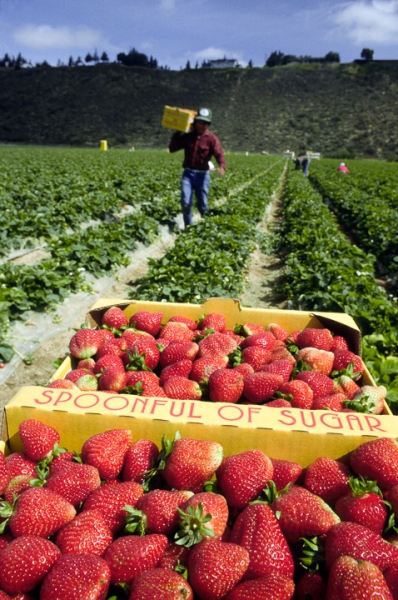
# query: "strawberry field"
[86,211]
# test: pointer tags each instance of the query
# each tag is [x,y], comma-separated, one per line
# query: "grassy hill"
[338,110]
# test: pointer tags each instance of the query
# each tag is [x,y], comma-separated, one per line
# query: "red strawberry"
[257,529]
[315,338]
[339,343]
[162,584]
[62,384]
[333,402]
[327,478]
[142,355]
[143,383]
[38,439]
[265,339]
[113,379]
[368,399]
[75,374]
[106,451]
[282,353]
[311,586]
[173,330]
[182,388]
[316,360]
[243,476]
[109,360]
[278,403]
[202,368]
[4,474]
[181,319]
[249,329]
[215,568]
[77,576]
[391,577]
[139,458]
[87,382]
[277,331]
[129,336]
[346,385]
[342,358]
[245,369]
[363,504]
[320,384]
[297,392]
[130,555]
[147,321]
[260,387]
[215,321]
[270,587]
[41,512]
[19,464]
[285,472]
[114,318]
[216,345]
[115,347]
[225,385]
[85,343]
[352,539]
[350,579]
[178,350]
[73,481]
[86,363]
[156,512]
[203,515]
[87,533]
[182,368]
[111,498]
[191,463]
[24,563]
[302,514]
[283,368]
[256,356]
[16,486]
[106,335]
[378,460]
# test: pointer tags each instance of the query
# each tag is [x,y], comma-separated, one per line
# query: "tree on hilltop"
[367,54]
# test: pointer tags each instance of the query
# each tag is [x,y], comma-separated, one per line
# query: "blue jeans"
[198,182]
[306,167]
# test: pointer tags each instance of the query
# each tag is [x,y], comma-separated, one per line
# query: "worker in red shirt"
[199,146]
[342,168]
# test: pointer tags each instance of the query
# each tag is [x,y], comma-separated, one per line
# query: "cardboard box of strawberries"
[278,381]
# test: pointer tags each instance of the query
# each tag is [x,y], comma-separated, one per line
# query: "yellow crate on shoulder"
[179,119]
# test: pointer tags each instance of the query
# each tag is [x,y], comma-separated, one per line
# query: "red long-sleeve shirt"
[198,149]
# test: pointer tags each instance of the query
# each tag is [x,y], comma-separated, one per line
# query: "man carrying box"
[199,146]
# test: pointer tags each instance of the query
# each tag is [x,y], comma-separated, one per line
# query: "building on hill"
[222,63]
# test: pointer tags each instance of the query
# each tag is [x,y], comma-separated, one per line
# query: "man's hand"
[221,171]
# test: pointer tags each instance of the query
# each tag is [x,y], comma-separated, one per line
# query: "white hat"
[342,165]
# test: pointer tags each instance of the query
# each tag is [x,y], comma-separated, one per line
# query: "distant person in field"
[199,146]
[303,163]
[342,168]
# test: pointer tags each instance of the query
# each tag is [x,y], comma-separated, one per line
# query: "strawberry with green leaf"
[110,500]
[147,321]
[364,504]
[351,579]
[203,515]
[156,512]
[39,441]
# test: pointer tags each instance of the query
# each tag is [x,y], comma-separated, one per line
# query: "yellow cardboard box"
[289,433]
[180,119]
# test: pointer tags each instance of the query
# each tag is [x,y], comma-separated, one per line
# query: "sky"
[176,31]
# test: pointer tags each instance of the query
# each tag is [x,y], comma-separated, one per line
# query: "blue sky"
[175,31]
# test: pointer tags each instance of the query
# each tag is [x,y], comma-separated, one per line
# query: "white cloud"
[167,4]
[367,22]
[45,36]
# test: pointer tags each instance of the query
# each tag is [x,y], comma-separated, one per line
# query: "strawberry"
[181,319]
[174,330]
[302,514]
[363,504]
[327,478]
[215,568]
[316,360]
[73,481]
[174,556]
[4,474]
[38,439]
[225,385]
[139,458]
[361,543]
[342,358]
[265,340]
[298,393]
[351,579]
[109,360]
[191,463]
[256,356]
[257,529]
[142,355]
[277,403]
[378,460]
[113,379]
[282,353]
[260,387]
[75,374]
[19,464]
[156,512]
[182,388]
[24,563]
[335,402]
[283,368]
[391,577]
[16,486]
[310,337]
[143,383]
[41,512]
[178,350]
[270,587]
[111,498]
[147,321]
[86,363]
[346,385]
[202,368]
[105,335]
[368,399]
[215,321]
[242,477]
[216,345]
[87,533]
[162,584]
[320,384]
[106,451]
[62,384]
[85,343]
[129,336]
[285,472]
[203,515]
[77,576]
[247,329]
[130,555]
[181,368]
[115,347]
[277,331]
[245,369]
[310,586]
[339,343]
[114,318]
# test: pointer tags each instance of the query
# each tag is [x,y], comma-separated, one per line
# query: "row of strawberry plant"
[209,258]
[326,272]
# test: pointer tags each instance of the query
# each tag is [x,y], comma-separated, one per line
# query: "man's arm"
[219,155]
[177,142]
